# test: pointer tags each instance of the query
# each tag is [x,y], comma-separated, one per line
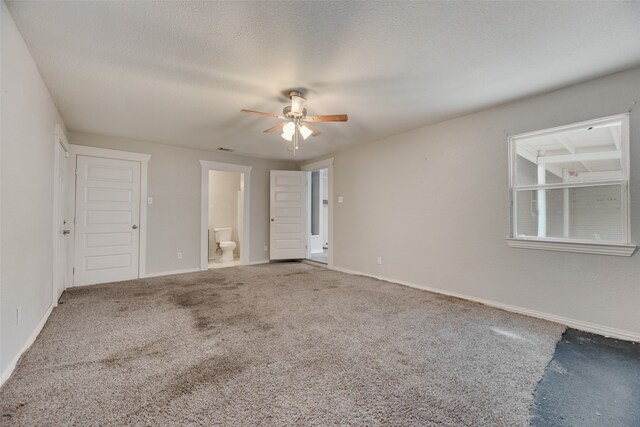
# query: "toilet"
[223,239]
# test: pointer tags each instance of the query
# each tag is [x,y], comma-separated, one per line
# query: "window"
[570,188]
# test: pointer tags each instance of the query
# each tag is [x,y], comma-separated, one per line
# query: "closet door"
[107,233]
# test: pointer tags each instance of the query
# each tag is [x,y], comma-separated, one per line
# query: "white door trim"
[245,180]
[82,150]
[326,164]
[59,138]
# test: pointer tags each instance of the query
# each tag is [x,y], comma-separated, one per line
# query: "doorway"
[320,211]
[224,226]
[224,219]
[318,224]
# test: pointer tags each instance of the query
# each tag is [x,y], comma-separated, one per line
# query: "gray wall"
[433,204]
[28,118]
[173,220]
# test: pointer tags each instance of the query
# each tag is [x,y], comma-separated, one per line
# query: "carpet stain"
[196,298]
[154,348]
[243,320]
[266,327]
[211,310]
[214,370]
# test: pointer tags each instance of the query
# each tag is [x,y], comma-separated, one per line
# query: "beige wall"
[28,118]
[433,204]
[174,179]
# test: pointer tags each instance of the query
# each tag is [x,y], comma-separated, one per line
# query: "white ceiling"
[178,73]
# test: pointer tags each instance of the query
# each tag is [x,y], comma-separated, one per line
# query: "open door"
[288,231]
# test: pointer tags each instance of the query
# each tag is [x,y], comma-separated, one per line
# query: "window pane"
[589,213]
[527,173]
[589,154]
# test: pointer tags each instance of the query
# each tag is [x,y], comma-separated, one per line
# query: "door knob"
[65,232]
[135,226]
[273,219]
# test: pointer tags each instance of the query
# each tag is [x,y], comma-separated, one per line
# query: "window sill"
[585,248]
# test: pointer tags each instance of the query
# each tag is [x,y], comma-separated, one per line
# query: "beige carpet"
[280,344]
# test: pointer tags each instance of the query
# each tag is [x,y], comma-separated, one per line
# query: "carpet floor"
[279,344]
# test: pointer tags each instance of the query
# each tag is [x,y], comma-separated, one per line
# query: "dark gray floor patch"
[591,381]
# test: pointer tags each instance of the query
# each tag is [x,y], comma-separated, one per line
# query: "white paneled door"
[288,232]
[107,233]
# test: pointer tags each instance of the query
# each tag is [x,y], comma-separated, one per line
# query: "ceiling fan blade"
[328,118]
[275,128]
[260,113]
[314,131]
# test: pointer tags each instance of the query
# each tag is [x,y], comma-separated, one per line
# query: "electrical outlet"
[266,248]
[340,199]
[379,260]
[18,310]
[179,255]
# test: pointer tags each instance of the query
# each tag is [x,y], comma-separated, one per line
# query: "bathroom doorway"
[225,211]
[225,219]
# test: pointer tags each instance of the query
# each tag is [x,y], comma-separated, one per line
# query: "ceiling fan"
[295,120]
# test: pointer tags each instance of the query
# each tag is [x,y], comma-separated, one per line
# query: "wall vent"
[226,150]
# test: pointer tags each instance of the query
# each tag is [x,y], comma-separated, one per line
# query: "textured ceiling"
[179,73]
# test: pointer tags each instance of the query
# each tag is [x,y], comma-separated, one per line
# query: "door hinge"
[74,271]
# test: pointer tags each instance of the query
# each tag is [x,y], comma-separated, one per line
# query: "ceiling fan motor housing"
[289,113]
[297,103]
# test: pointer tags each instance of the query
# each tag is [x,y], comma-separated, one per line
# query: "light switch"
[340,199]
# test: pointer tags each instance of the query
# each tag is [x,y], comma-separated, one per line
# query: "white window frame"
[624,248]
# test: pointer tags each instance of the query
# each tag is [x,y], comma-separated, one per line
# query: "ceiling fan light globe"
[289,128]
[305,131]
[287,136]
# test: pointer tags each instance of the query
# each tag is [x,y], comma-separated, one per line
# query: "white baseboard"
[573,323]
[12,365]
[170,273]
[261,261]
